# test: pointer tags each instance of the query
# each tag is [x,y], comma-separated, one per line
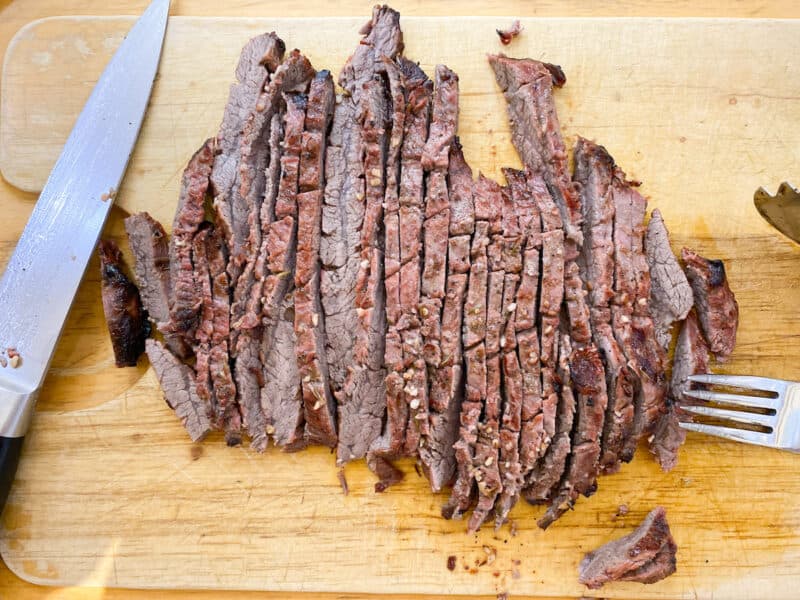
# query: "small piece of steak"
[645,556]
[177,383]
[715,303]
[691,358]
[670,294]
[126,319]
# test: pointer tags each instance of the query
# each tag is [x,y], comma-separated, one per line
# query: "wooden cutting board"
[110,492]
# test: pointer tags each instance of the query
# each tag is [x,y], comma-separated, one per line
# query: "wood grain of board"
[110,493]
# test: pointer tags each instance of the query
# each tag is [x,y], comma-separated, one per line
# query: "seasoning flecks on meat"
[125,317]
[363,403]
[318,400]
[543,480]
[594,171]
[714,301]
[177,384]
[646,555]
[184,301]
[671,295]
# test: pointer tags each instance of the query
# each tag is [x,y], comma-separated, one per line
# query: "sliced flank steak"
[447,384]
[356,313]
[259,58]
[671,295]
[318,400]
[177,384]
[633,326]
[593,172]
[440,300]
[150,247]
[406,377]
[714,301]
[184,305]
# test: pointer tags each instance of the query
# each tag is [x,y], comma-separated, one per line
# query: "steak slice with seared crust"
[690,358]
[714,301]
[184,305]
[671,295]
[319,404]
[646,555]
[150,247]
[631,321]
[593,172]
[122,305]
[363,404]
[177,384]
[258,59]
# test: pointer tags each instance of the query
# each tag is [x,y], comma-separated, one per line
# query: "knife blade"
[43,273]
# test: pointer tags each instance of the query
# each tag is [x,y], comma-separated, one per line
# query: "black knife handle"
[9,459]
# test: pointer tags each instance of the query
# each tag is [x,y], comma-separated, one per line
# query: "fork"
[783,410]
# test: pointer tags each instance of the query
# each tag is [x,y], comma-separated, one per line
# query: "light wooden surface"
[715,502]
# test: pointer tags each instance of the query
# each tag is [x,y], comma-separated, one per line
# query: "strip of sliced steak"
[631,321]
[259,57]
[441,416]
[214,379]
[342,215]
[691,358]
[319,404]
[593,172]
[527,85]
[363,404]
[382,38]
[714,301]
[447,384]
[150,247]
[281,396]
[177,384]
[184,301]
[671,296]
[126,319]
[588,380]
[406,377]
[546,474]
[646,555]
[473,336]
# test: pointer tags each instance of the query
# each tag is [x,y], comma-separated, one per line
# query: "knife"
[43,273]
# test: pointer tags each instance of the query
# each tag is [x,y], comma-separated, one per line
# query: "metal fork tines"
[772,420]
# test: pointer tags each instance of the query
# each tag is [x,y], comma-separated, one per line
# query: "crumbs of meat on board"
[506,35]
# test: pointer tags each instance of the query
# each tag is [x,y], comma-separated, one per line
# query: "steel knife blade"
[43,273]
